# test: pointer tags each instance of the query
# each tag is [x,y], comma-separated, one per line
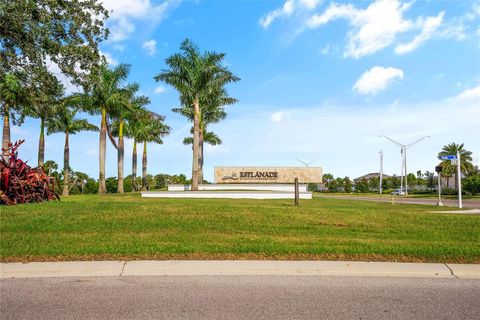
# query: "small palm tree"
[152,129]
[104,97]
[193,74]
[466,164]
[64,121]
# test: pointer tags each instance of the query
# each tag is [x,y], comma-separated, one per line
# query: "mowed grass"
[130,227]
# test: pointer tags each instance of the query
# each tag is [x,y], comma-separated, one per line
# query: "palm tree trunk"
[120,153]
[144,167]
[134,165]
[41,143]
[196,144]
[200,158]
[66,166]
[102,188]
[6,127]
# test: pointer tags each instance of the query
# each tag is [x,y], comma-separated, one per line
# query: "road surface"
[239,297]
[467,203]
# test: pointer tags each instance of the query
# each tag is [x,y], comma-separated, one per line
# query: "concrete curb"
[236,268]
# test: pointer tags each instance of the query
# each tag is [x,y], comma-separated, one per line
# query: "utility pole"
[381,171]
[403,150]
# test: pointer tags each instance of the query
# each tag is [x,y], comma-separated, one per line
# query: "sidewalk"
[236,268]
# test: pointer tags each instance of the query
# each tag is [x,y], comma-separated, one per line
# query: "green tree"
[105,97]
[13,99]
[152,129]
[64,121]
[361,186]
[374,184]
[111,184]
[430,180]
[466,164]
[347,183]
[33,34]
[193,74]
[472,184]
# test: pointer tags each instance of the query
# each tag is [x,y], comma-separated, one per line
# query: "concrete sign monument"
[272,175]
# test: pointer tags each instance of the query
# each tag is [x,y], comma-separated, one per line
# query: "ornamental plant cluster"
[20,183]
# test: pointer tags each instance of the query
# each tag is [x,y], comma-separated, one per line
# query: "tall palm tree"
[193,73]
[213,102]
[466,164]
[104,97]
[122,125]
[152,129]
[64,121]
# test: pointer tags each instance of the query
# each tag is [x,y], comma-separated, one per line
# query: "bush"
[471,184]
[19,183]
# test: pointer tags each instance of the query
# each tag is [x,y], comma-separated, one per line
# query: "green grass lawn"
[129,227]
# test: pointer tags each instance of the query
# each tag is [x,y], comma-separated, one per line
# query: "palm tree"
[12,98]
[152,129]
[104,97]
[44,98]
[213,102]
[210,138]
[123,126]
[466,164]
[193,74]
[64,121]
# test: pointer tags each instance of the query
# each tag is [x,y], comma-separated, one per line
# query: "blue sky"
[320,79]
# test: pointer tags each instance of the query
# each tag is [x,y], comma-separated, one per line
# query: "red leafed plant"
[19,183]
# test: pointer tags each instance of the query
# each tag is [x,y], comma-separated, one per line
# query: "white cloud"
[373,28]
[122,12]
[429,26]
[377,79]
[289,8]
[121,29]
[278,116]
[469,94]
[160,89]
[150,47]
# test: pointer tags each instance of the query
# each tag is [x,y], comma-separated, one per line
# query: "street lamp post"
[438,170]
[403,150]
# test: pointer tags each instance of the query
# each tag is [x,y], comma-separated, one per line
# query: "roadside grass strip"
[128,227]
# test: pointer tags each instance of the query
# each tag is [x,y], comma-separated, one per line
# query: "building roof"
[370,176]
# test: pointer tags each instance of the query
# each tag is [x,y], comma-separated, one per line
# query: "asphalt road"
[467,203]
[240,297]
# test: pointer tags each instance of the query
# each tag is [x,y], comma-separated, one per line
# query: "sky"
[320,80]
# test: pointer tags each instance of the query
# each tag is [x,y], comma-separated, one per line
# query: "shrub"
[19,183]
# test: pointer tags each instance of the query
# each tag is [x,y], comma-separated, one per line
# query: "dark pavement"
[239,297]
[467,203]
